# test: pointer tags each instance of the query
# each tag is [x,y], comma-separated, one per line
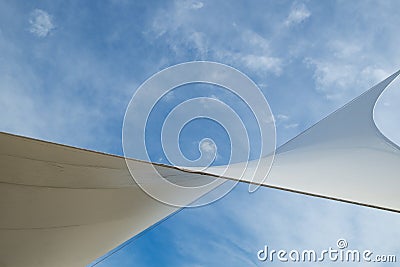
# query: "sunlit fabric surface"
[64,206]
[343,157]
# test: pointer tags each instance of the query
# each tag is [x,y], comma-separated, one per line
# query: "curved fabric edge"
[342,157]
[63,206]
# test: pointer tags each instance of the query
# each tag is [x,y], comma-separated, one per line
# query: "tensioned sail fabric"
[343,157]
[64,206]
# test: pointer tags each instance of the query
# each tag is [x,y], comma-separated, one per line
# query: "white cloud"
[186,31]
[291,125]
[344,49]
[355,50]
[255,63]
[332,78]
[199,40]
[339,79]
[374,74]
[56,107]
[207,146]
[196,4]
[298,13]
[282,117]
[255,54]
[41,23]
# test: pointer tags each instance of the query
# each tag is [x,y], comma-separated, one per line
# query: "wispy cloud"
[257,63]
[41,23]
[194,4]
[355,51]
[337,78]
[284,121]
[185,31]
[291,125]
[282,117]
[298,13]
[208,147]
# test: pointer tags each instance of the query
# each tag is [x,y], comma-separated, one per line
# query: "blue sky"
[69,69]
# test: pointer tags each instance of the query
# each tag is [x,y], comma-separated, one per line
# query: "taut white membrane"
[64,206]
[343,157]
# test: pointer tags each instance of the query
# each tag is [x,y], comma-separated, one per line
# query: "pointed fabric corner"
[342,157]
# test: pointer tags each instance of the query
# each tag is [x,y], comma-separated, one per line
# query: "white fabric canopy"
[64,206]
[343,157]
